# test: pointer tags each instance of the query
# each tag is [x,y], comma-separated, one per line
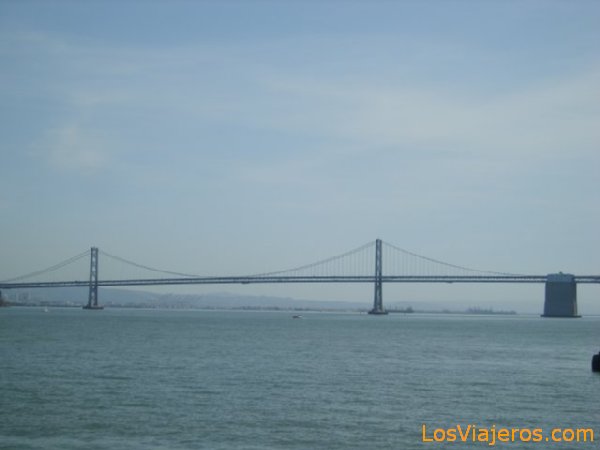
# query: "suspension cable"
[152,269]
[49,269]
[454,266]
[309,266]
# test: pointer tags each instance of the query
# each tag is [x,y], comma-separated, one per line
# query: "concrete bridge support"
[561,296]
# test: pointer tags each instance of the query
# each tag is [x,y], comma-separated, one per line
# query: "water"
[135,379]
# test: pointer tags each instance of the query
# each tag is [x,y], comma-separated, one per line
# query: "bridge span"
[560,289]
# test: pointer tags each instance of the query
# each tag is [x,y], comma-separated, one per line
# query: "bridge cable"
[49,269]
[454,266]
[310,266]
[152,269]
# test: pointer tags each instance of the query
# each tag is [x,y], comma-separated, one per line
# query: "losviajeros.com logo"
[492,435]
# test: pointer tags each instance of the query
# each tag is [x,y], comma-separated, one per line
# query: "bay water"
[172,379]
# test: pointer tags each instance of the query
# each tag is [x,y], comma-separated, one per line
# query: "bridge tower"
[561,296]
[93,292]
[378,299]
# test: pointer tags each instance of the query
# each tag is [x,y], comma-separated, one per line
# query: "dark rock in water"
[596,363]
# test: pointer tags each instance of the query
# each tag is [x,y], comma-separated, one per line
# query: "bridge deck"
[300,279]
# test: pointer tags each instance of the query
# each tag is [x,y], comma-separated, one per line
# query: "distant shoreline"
[409,310]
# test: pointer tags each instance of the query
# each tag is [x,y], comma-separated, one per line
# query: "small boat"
[297,316]
[46,309]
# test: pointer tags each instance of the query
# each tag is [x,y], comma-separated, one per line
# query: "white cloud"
[544,119]
[72,148]
[193,82]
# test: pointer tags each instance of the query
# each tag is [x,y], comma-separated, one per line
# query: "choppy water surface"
[131,379]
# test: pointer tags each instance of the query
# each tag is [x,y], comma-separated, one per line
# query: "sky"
[238,137]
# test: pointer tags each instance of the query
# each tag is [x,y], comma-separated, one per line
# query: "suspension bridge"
[375,262]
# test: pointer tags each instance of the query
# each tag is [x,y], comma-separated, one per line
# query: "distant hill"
[143,299]
[114,297]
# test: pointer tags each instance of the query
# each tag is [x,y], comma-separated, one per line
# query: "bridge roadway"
[302,279]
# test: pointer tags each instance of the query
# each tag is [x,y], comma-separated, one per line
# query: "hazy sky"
[245,136]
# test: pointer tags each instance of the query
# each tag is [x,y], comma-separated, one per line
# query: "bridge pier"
[378,298]
[93,292]
[561,296]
